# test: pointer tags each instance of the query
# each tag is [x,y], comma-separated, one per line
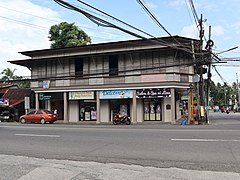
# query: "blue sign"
[4,101]
[116,94]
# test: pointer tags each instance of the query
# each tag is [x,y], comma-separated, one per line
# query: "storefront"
[119,101]
[86,103]
[51,102]
[153,102]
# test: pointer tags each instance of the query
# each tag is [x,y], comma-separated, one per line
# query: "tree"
[8,76]
[67,35]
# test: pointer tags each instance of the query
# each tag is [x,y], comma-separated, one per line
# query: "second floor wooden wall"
[106,69]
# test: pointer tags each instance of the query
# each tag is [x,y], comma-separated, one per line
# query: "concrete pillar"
[173,106]
[98,107]
[36,101]
[65,107]
[47,104]
[163,110]
[134,115]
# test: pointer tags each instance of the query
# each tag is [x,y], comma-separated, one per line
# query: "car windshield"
[31,113]
[47,112]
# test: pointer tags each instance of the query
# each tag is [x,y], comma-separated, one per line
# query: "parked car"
[38,116]
[7,113]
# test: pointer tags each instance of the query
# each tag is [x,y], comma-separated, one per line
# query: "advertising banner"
[116,94]
[81,95]
[46,84]
[153,93]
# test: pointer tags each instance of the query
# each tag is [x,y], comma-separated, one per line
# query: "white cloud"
[189,31]
[236,27]
[176,3]
[151,5]
[24,26]
[217,30]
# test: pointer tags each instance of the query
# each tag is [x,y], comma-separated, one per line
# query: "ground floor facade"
[158,104]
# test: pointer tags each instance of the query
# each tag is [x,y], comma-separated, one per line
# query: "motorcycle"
[227,111]
[119,119]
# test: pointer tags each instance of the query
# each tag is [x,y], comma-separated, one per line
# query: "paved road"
[155,150]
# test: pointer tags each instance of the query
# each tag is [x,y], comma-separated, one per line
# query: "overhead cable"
[146,9]
[95,19]
[224,81]
[116,18]
[104,23]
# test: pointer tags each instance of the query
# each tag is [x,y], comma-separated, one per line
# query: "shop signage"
[27,102]
[44,97]
[46,84]
[153,93]
[81,95]
[4,101]
[116,94]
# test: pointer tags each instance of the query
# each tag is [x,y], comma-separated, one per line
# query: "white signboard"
[27,102]
[81,95]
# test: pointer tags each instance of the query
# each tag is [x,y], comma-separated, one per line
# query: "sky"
[24,26]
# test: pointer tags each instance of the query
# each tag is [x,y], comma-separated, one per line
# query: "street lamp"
[225,92]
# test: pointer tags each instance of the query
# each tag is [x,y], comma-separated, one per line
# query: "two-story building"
[144,79]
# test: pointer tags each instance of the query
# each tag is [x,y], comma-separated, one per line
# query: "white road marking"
[207,140]
[38,135]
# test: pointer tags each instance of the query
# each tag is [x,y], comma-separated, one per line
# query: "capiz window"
[113,65]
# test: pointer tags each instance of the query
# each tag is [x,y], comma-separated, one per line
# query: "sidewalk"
[27,168]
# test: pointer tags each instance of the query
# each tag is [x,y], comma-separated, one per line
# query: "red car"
[39,116]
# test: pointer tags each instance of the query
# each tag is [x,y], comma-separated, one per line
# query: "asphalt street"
[152,151]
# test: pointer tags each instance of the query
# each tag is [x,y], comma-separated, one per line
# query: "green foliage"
[67,35]
[9,77]
[220,94]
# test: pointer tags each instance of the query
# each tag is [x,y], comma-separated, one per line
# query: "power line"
[224,81]
[116,19]
[196,18]
[23,23]
[146,9]
[228,65]
[29,14]
[104,23]
[55,21]
[190,15]
[95,19]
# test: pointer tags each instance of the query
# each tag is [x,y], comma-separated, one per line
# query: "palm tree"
[8,75]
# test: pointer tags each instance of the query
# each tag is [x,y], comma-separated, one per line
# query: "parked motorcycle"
[227,111]
[121,119]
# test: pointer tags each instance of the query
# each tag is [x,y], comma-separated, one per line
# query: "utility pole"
[201,86]
[238,94]
[209,75]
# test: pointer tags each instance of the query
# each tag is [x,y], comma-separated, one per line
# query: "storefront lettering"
[153,93]
[117,94]
[81,95]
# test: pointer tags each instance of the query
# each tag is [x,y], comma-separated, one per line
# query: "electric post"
[238,94]
[209,75]
[201,85]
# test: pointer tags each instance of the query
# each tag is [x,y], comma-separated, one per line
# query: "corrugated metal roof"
[17,94]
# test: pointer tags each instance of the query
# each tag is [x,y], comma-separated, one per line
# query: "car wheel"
[42,121]
[23,120]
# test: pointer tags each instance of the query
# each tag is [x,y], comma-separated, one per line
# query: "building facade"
[143,79]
